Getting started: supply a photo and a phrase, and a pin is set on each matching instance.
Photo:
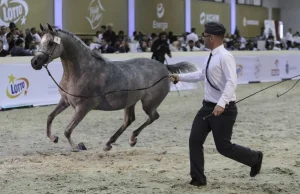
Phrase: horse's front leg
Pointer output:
(80, 113)
(61, 106)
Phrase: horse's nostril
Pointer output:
(35, 62)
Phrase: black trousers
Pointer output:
(221, 127)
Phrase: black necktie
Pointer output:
(207, 73)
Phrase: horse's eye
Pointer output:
(51, 43)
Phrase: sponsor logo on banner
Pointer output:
(204, 17)
(250, 22)
(257, 68)
(239, 70)
(13, 11)
(95, 9)
(160, 12)
(276, 71)
(288, 68)
(17, 87)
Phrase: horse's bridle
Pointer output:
(48, 55)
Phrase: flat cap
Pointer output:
(215, 28)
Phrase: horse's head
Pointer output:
(50, 48)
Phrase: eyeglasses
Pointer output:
(206, 35)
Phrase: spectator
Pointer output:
(3, 33)
(192, 36)
(95, 38)
(32, 36)
(143, 47)
(105, 47)
(109, 35)
(191, 46)
(121, 35)
(124, 48)
(160, 48)
(277, 46)
(179, 46)
(102, 30)
(10, 40)
(19, 50)
(3, 53)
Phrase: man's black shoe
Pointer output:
(256, 168)
(194, 182)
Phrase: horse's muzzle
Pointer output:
(36, 63)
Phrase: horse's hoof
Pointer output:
(81, 146)
(107, 148)
(55, 139)
(133, 142)
(75, 150)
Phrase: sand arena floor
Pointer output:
(159, 163)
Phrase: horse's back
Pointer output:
(142, 65)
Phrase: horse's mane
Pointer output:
(83, 45)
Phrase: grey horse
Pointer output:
(92, 82)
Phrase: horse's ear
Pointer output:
(50, 28)
(42, 27)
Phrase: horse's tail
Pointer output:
(182, 67)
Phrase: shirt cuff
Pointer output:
(222, 103)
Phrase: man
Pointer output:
(110, 35)
(220, 86)
(192, 36)
(19, 50)
(191, 47)
(3, 52)
(3, 33)
(32, 36)
(160, 48)
(105, 47)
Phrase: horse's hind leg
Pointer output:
(61, 106)
(153, 115)
(128, 119)
(80, 113)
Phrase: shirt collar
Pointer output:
(216, 50)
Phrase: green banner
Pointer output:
(26, 13)
(203, 12)
(250, 19)
(160, 15)
(86, 16)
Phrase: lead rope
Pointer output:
(261, 91)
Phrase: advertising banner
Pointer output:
(203, 12)
(160, 15)
(20, 85)
(24, 13)
(87, 16)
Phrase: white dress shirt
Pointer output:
(221, 74)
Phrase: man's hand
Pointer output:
(218, 110)
(174, 78)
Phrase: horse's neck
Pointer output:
(72, 58)
(77, 60)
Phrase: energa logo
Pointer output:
(13, 11)
(160, 10)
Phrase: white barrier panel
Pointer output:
(20, 85)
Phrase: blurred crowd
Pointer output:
(107, 40)
(15, 42)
